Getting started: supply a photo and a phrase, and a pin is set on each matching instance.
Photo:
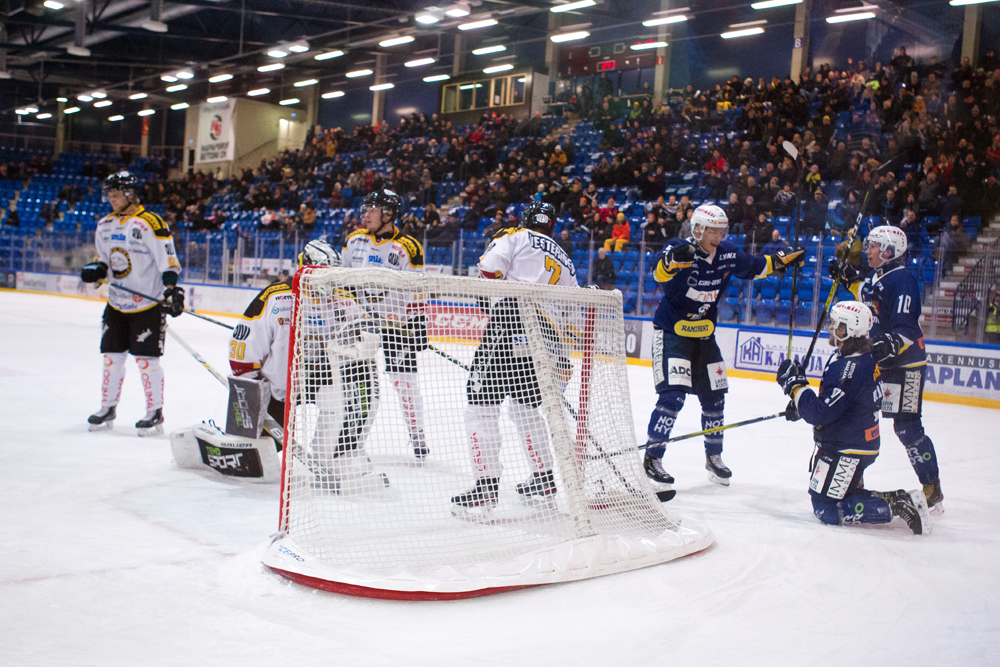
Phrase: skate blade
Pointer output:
(481, 513)
(721, 481)
(539, 503)
(106, 426)
(920, 500)
(937, 509)
(421, 453)
(152, 430)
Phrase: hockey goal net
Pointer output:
(363, 513)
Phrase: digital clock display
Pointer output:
(605, 65)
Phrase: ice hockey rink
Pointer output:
(114, 556)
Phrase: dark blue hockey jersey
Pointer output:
(689, 306)
(845, 414)
(894, 298)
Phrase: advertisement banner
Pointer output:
(763, 352)
(963, 371)
(216, 136)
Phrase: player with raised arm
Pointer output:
(379, 244)
(845, 419)
(503, 366)
(136, 247)
(686, 357)
(898, 345)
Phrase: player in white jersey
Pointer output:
(503, 366)
(136, 247)
(378, 244)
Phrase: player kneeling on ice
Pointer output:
(686, 357)
(503, 366)
(845, 419)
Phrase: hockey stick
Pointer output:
(160, 301)
(450, 358)
(273, 428)
(717, 429)
(794, 153)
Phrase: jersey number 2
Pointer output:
(553, 266)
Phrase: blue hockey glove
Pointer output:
(846, 274)
(886, 347)
(790, 377)
(677, 257)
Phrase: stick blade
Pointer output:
(791, 149)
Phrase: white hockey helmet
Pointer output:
(319, 253)
(891, 241)
(854, 315)
(707, 216)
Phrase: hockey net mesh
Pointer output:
(357, 499)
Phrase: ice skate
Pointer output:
(351, 473)
(478, 501)
(717, 470)
(911, 507)
(419, 444)
(662, 481)
(103, 419)
(540, 489)
(935, 499)
(151, 424)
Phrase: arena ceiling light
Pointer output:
(71, 110)
(115, 119)
(219, 78)
(179, 106)
(328, 54)
(23, 112)
(570, 36)
(277, 52)
(959, 3)
(843, 18)
(768, 4)
(382, 86)
(436, 77)
(570, 6)
(299, 46)
(176, 88)
(648, 45)
(359, 72)
(291, 100)
(428, 16)
(169, 78)
(474, 25)
(498, 68)
(332, 94)
(664, 20)
(273, 67)
(489, 49)
(98, 94)
(419, 62)
(52, 4)
(745, 32)
(147, 112)
(102, 104)
(457, 11)
(217, 99)
(85, 98)
(185, 74)
(43, 116)
(138, 96)
(62, 99)
(258, 91)
(305, 82)
(396, 41)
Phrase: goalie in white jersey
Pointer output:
(378, 244)
(136, 247)
(503, 366)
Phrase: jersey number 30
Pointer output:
(237, 350)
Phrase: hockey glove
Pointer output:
(791, 412)
(790, 377)
(417, 329)
(886, 347)
(846, 274)
(677, 257)
(173, 300)
(94, 272)
(783, 259)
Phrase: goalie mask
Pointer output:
(124, 182)
(708, 216)
(891, 241)
(319, 253)
(538, 216)
(856, 318)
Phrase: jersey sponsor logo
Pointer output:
(137, 233)
(871, 433)
(241, 332)
(121, 263)
(818, 480)
(890, 397)
(393, 259)
(374, 259)
(911, 392)
(678, 372)
(658, 357)
(701, 296)
(118, 237)
(842, 477)
(848, 371)
(143, 336)
(695, 329)
(717, 376)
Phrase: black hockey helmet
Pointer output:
(387, 200)
(539, 216)
(123, 181)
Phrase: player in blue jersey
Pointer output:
(686, 357)
(845, 419)
(898, 345)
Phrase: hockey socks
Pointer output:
(113, 376)
(661, 422)
(152, 381)
(919, 449)
(860, 507)
(482, 425)
(408, 387)
(532, 435)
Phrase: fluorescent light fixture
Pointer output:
(185, 74)
(217, 99)
(470, 86)
(179, 106)
(648, 45)
(71, 110)
(568, 7)
(457, 11)
(419, 62)
(31, 109)
(489, 49)
(85, 98)
(177, 88)
(498, 68)
(271, 68)
(22, 112)
(843, 18)
(742, 33)
(138, 96)
(300, 46)
(258, 91)
(43, 116)
(305, 82)
(79, 51)
(169, 78)
(291, 100)
(147, 112)
(381, 86)
(359, 72)
(570, 36)
(332, 94)
(277, 53)
(219, 78)
(154, 26)
(102, 104)
(115, 119)
(665, 20)
(485, 23)
(395, 41)
(426, 19)
(62, 99)
(774, 3)
(52, 4)
(436, 77)
(328, 54)
(99, 94)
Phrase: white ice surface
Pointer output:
(113, 556)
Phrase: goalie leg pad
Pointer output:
(532, 434)
(206, 446)
(482, 425)
(347, 408)
(248, 402)
(112, 378)
(152, 381)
